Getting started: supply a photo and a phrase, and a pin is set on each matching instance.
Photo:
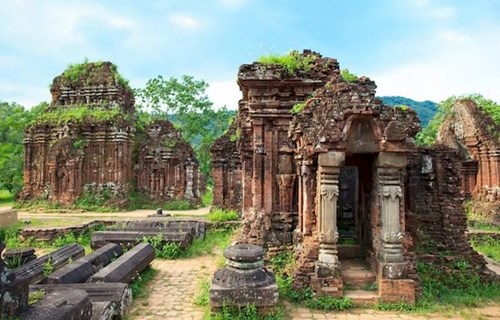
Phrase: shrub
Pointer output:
(297, 108)
(163, 250)
(347, 76)
(221, 215)
(292, 62)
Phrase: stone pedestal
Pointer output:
(13, 292)
(8, 217)
(244, 281)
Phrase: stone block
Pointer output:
(126, 267)
(107, 298)
(103, 256)
(33, 270)
(13, 292)
(76, 272)
(130, 238)
(391, 159)
(397, 290)
(8, 217)
(331, 159)
(62, 305)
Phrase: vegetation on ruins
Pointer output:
(428, 135)
(35, 296)
(79, 115)
(487, 245)
(292, 62)
(86, 71)
(348, 76)
(297, 108)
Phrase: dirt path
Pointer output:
(74, 217)
(177, 284)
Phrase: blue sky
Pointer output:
(422, 49)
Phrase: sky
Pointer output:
(420, 49)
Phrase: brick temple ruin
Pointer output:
(476, 136)
(328, 170)
(85, 143)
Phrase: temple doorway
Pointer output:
(354, 205)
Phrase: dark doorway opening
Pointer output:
(354, 205)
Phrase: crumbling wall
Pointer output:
(437, 222)
(167, 168)
(226, 170)
(475, 135)
(84, 141)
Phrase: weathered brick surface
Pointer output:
(167, 168)
(475, 135)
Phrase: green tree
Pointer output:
(184, 102)
(13, 121)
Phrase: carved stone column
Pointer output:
(328, 192)
(392, 246)
(285, 187)
(389, 167)
(188, 193)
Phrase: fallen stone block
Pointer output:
(62, 305)
(131, 238)
(34, 270)
(197, 227)
(17, 257)
(109, 300)
(81, 269)
(126, 267)
(8, 217)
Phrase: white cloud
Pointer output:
(26, 96)
(184, 21)
(456, 63)
(224, 93)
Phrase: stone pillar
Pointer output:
(328, 192)
(188, 193)
(389, 166)
(307, 197)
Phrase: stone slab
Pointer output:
(106, 298)
(83, 268)
(126, 267)
(33, 270)
(62, 305)
(8, 217)
(104, 255)
(130, 238)
(260, 297)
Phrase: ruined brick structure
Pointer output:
(84, 142)
(167, 167)
(476, 136)
(226, 170)
(330, 170)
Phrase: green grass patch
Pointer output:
(6, 198)
(207, 197)
(35, 296)
(139, 284)
(221, 215)
(292, 62)
(347, 76)
(215, 241)
(488, 246)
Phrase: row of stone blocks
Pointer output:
(130, 233)
(106, 271)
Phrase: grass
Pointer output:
(292, 62)
(6, 198)
(139, 284)
(35, 296)
(488, 246)
(12, 240)
(207, 197)
(221, 215)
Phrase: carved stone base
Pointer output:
(324, 270)
(393, 270)
(391, 252)
(399, 290)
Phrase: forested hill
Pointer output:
(425, 109)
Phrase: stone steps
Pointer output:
(356, 275)
(362, 297)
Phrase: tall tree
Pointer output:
(184, 102)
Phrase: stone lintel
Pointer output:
(391, 159)
(331, 159)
